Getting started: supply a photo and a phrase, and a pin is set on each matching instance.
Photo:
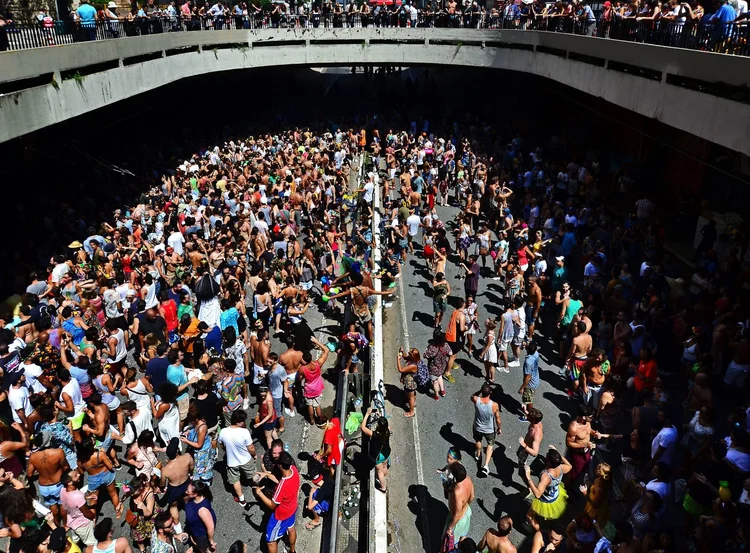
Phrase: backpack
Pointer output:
(422, 376)
(206, 288)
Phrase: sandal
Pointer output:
(310, 525)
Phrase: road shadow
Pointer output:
(431, 514)
(512, 504)
(564, 404)
(470, 368)
(395, 396)
(425, 286)
(511, 406)
(456, 440)
(425, 318)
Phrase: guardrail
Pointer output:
(727, 38)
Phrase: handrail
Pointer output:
(727, 38)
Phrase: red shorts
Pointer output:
(579, 461)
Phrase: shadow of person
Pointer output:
(395, 395)
(431, 514)
(456, 440)
(425, 318)
(510, 405)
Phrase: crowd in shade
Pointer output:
(145, 348)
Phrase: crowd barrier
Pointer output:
(723, 38)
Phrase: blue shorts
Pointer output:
(277, 529)
(50, 495)
(103, 479)
(322, 506)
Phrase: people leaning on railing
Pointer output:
(672, 23)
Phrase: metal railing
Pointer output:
(727, 38)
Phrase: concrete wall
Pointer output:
(717, 119)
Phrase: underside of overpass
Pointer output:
(46, 86)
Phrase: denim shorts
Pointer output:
(50, 495)
(103, 479)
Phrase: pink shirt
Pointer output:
(73, 501)
(313, 379)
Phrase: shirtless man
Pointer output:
(291, 359)
(361, 309)
(592, 378)
(217, 257)
(497, 541)
(529, 445)
(260, 348)
(99, 416)
(175, 475)
(700, 395)
(533, 305)
(579, 352)
(578, 441)
(460, 496)
(50, 464)
(440, 258)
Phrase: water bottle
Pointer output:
(286, 447)
(347, 514)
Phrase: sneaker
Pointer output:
(486, 470)
(237, 500)
(563, 372)
(514, 363)
(505, 370)
(289, 412)
(496, 278)
(477, 457)
(449, 378)
(246, 403)
(522, 418)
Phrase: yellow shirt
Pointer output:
(221, 184)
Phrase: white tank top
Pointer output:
(121, 349)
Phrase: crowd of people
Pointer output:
(644, 344)
(147, 347)
(686, 24)
(239, 241)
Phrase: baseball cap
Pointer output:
(560, 258)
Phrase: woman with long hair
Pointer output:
(101, 474)
(142, 455)
(200, 517)
(489, 353)
(408, 365)
(380, 447)
(199, 442)
(598, 495)
(104, 384)
(143, 509)
(137, 389)
(550, 497)
(166, 412)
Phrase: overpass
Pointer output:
(702, 93)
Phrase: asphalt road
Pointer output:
(417, 510)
